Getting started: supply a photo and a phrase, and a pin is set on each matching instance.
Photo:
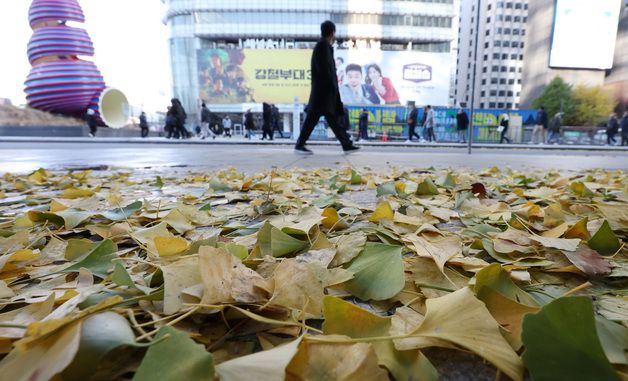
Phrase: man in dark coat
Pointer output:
(363, 125)
(624, 129)
(267, 127)
(276, 122)
(462, 124)
(612, 127)
(324, 96)
(143, 124)
(92, 122)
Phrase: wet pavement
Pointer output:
(24, 157)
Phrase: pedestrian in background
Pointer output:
(363, 125)
(611, 129)
(503, 128)
(143, 124)
(413, 115)
(249, 124)
(92, 122)
(267, 128)
(180, 116)
(624, 129)
(554, 129)
(324, 95)
(226, 125)
(429, 125)
(206, 118)
(276, 122)
(462, 124)
(171, 123)
(540, 127)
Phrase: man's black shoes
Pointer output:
(301, 150)
(351, 149)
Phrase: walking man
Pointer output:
(206, 118)
(92, 123)
(276, 119)
(324, 96)
(611, 129)
(143, 124)
(429, 125)
(226, 124)
(624, 129)
(540, 127)
(503, 128)
(412, 120)
(462, 124)
(554, 129)
(363, 125)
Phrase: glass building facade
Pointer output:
(422, 25)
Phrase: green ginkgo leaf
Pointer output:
(604, 241)
(121, 214)
(272, 241)
(561, 343)
(378, 272)
(176, 357)
(98, 261)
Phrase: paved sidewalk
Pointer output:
(280, 142)
(29, 156)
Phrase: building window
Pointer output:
(488, 32)
(497, 43)
(502, 81)
(525, 19)
(514, 44)
(495, 56)
(516, 105)
(481, 104)
(484, 69)
(508, 18)
(499, 17)
(509, 5)
(515, 32)
(504, 56)
(493, 93)
(500, 4)
(513, 56)
(502, 93)
(517, 18)
(493, 81)
(486, 57)
(525, 6)
(504, 69)
(523, 32)
(519, 81)
(495, 68)
(499, 31)
(517, 5)
(520, 70)
(500, 104)
(509, 93)
(511, 69)
(489, 7)
(491, 104)
(486, 45)
(488, 20)
(521, 57)
(484, 81)
(518, 93)
(511, 81)
(508, 105)
(482, 93)
(506, 30)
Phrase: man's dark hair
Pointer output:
(327, 29)
(428, 106)
(353, 67)
(203, 104)
(542, 108)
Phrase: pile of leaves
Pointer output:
(312, 275)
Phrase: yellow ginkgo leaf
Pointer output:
(331, 217)
(170, 246)
(382, 212)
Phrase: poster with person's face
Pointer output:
(367, 77)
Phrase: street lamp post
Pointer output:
(475, 64)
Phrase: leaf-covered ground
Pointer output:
(312, 275)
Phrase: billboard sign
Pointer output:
(584, 34)
(365, 77)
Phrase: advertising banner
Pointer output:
(365, 77)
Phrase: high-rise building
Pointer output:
(501, 39)
(584, 42)
(213, 44)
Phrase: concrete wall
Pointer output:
(63, 132)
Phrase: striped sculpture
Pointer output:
(59, 80)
